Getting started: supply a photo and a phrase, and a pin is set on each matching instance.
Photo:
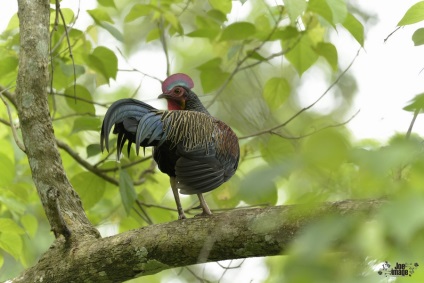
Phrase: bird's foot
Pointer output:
(181, 215)
(205, 213)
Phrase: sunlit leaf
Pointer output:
(107, 3)
(30, 224)
(126, 189)
(9, 226)
(7, 170)
(137, 11)
(276, 91)
(89, 187)
(414, 14)
(104, 61)
(153, 35)
(302, 54)
(11, 243)
(355, 28)
(416, 103)
(210, 33)
(329, 52)
(8, 64)
(86, 124)
(418, 37)
(100, 15)
(238, 31)
(221, 5)
(173, 20)
(295, 8)
(1, 260)
(338, 9)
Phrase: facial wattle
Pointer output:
(173, 105)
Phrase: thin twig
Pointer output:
(84, 163)
(309, 106)
(391, 34)
(114, 169)
(302, 136)
(244, 59)
(9, 113)
(164, 45)
(70, 52)
(416, 112)
(105, 105)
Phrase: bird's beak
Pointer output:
(163, 95)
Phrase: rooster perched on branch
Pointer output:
(196, 150)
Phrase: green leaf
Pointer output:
(86, 124)
(418, 37)
(11, 243)
(258, 186)
(89, 187)
(153, 35)
(416, 103)
(212, 79)
(173, 21)
(221, 5)
(211, 64)
(276, 91)
(100, 15)
(9, 226)
(322, 8)
(8, 65)
(1, 260)
(277, 150)
(414, 15)
(329, 52)
(7, 169)
(326, 149)
(138, 11)
(80, 106)
(93, 149)
(302, 55)
(210, 33)
(338, 9)
(295, 8)
(126, 188)
(107, 3)
(30, 224)
(112, 30)
(238, 31)
(355, 28)
(104, 61)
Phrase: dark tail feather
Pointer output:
(118, 112)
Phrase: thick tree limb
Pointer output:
(148, 250)
(37, 131)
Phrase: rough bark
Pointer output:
(61, 203)
(148, 250)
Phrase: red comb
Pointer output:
(178, 79)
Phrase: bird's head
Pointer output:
(177, 91)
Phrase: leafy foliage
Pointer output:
(246, 68)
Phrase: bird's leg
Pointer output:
(204, 206)
(173, 182)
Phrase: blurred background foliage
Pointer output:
(247, 59)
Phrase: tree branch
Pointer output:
(36, 125)
(151, 249)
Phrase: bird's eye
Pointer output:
(177, 91)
